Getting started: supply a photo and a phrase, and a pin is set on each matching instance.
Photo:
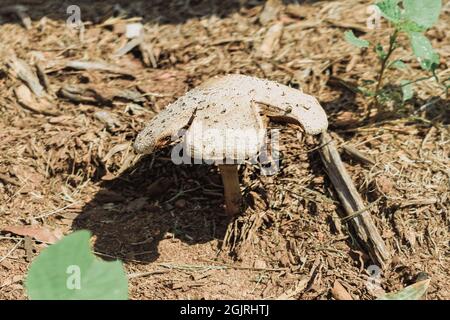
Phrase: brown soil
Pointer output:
(167, 223)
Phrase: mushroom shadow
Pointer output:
(151, 201)
(155, 11)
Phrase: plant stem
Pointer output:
(384, 64)
(415, 81)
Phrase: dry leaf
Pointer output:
(339, 292)
(38, 233)
(270, 12)
(271, 40)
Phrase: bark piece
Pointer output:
(365, 229)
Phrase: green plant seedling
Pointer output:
(410, 17)
(412, 292)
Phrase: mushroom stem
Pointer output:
(232, 191)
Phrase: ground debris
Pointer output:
(97, 65)
(60, 169)
(98, 94)
(39, 233)
(28, 101)
(108, 119)
(24, 72)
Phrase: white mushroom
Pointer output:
(223, 121)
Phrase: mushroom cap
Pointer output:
(223, 119)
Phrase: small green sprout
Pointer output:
(410, 17)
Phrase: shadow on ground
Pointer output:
(155, 200)
(155, 11)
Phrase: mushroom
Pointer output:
(224, 123)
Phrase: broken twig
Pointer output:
(97, 65)
(352, 202)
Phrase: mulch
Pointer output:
(67, 162)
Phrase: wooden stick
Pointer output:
(366, 232)
(356, 154)
(232, 191)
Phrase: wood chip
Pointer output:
(28, 101)
(270, 12)
(130, 45)
(25, 73)
(97, 65)
(339, 292)
(271, 40)
(98, 94)
(6, 179)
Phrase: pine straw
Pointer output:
(62, 174)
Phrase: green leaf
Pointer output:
(423, 12)
(366, 92)
(352, 39)
(423, 50)
(390, 10)
(407, 90)
(397, 64)
(412, 292)
(380, 51)
(410, 26)
(68, 270)
(368, 81)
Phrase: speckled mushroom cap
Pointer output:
(223, 117)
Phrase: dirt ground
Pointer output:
(63, 169)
